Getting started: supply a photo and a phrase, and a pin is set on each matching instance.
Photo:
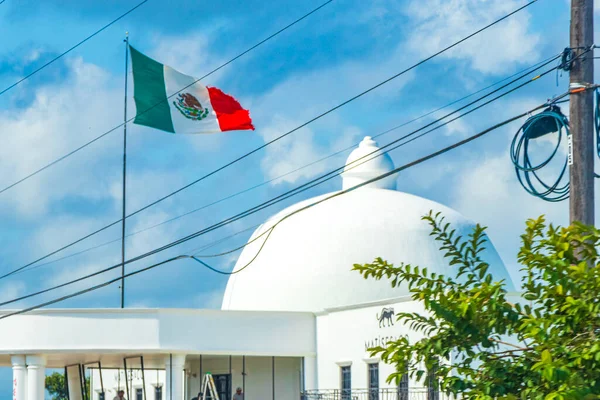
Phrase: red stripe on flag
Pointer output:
(230, 114)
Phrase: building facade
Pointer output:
(295, 323)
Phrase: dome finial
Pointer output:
(366, 163)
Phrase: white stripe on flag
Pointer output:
(174, 81)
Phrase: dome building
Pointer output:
(305, 263)
(296, 322)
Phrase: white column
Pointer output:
(311, 381)
(19, 383)
(36, 377)
(74, 383)
(174, 377)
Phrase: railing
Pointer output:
(374, 394)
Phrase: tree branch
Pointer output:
(509, 344)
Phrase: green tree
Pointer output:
(545, 345)
(55, 385)
(57, 388)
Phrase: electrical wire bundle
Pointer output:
(551, 120)
(432, 126)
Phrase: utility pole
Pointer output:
(582, 114)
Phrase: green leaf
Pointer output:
(546, 356)
(468, 314)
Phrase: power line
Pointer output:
(83, 146)
(268, 232)
(385, 175)
(203, 247)
(521, 73)
(279, 137)
(212, 244)
(276, 199)
(193, 251)
(131, 119)
(72, 48)
(334, 195)
(344, 103)
(381, 149)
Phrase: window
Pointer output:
(374, 381)
(433, 392)
(101, 395)
(139, 394)
(403, 386)
(223, 386)
(346, 383)
(158, 393)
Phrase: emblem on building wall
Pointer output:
(386, 317)
(190, 107)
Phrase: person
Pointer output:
(120, 395)
(238, 394)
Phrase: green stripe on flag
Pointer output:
(150, 93)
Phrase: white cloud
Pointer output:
(11, 290)
(490, 194)
(183, 53)
(33, 55)
(190, 55)
(300, 149)
(439, 23)
(144, 187)
(307, 95)
(457, 127)
(59, 119)
(59, 231)
(209, 300)
(152, 238)
(74, 271)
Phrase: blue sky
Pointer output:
(343, 49)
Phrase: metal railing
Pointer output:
(374, 394)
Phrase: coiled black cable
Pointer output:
(548, 121)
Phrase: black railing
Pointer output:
(374, 394)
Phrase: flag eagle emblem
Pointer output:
(190, 107)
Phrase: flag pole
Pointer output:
(124, 174)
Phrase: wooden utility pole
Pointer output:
(582, 114)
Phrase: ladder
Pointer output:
(208, 384)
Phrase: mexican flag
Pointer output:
(195, 109)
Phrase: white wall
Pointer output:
(287, 378)
(258, 383)
(114, 380)
(151, 331)
(344, 335)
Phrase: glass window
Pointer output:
(346, 383)
(139, 394)
(374, 381)
(158, 393)
(433, 391)
(223, 386)
(403, 386)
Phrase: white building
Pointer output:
(296, 322)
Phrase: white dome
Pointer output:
(306, 263)
(362, 166)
